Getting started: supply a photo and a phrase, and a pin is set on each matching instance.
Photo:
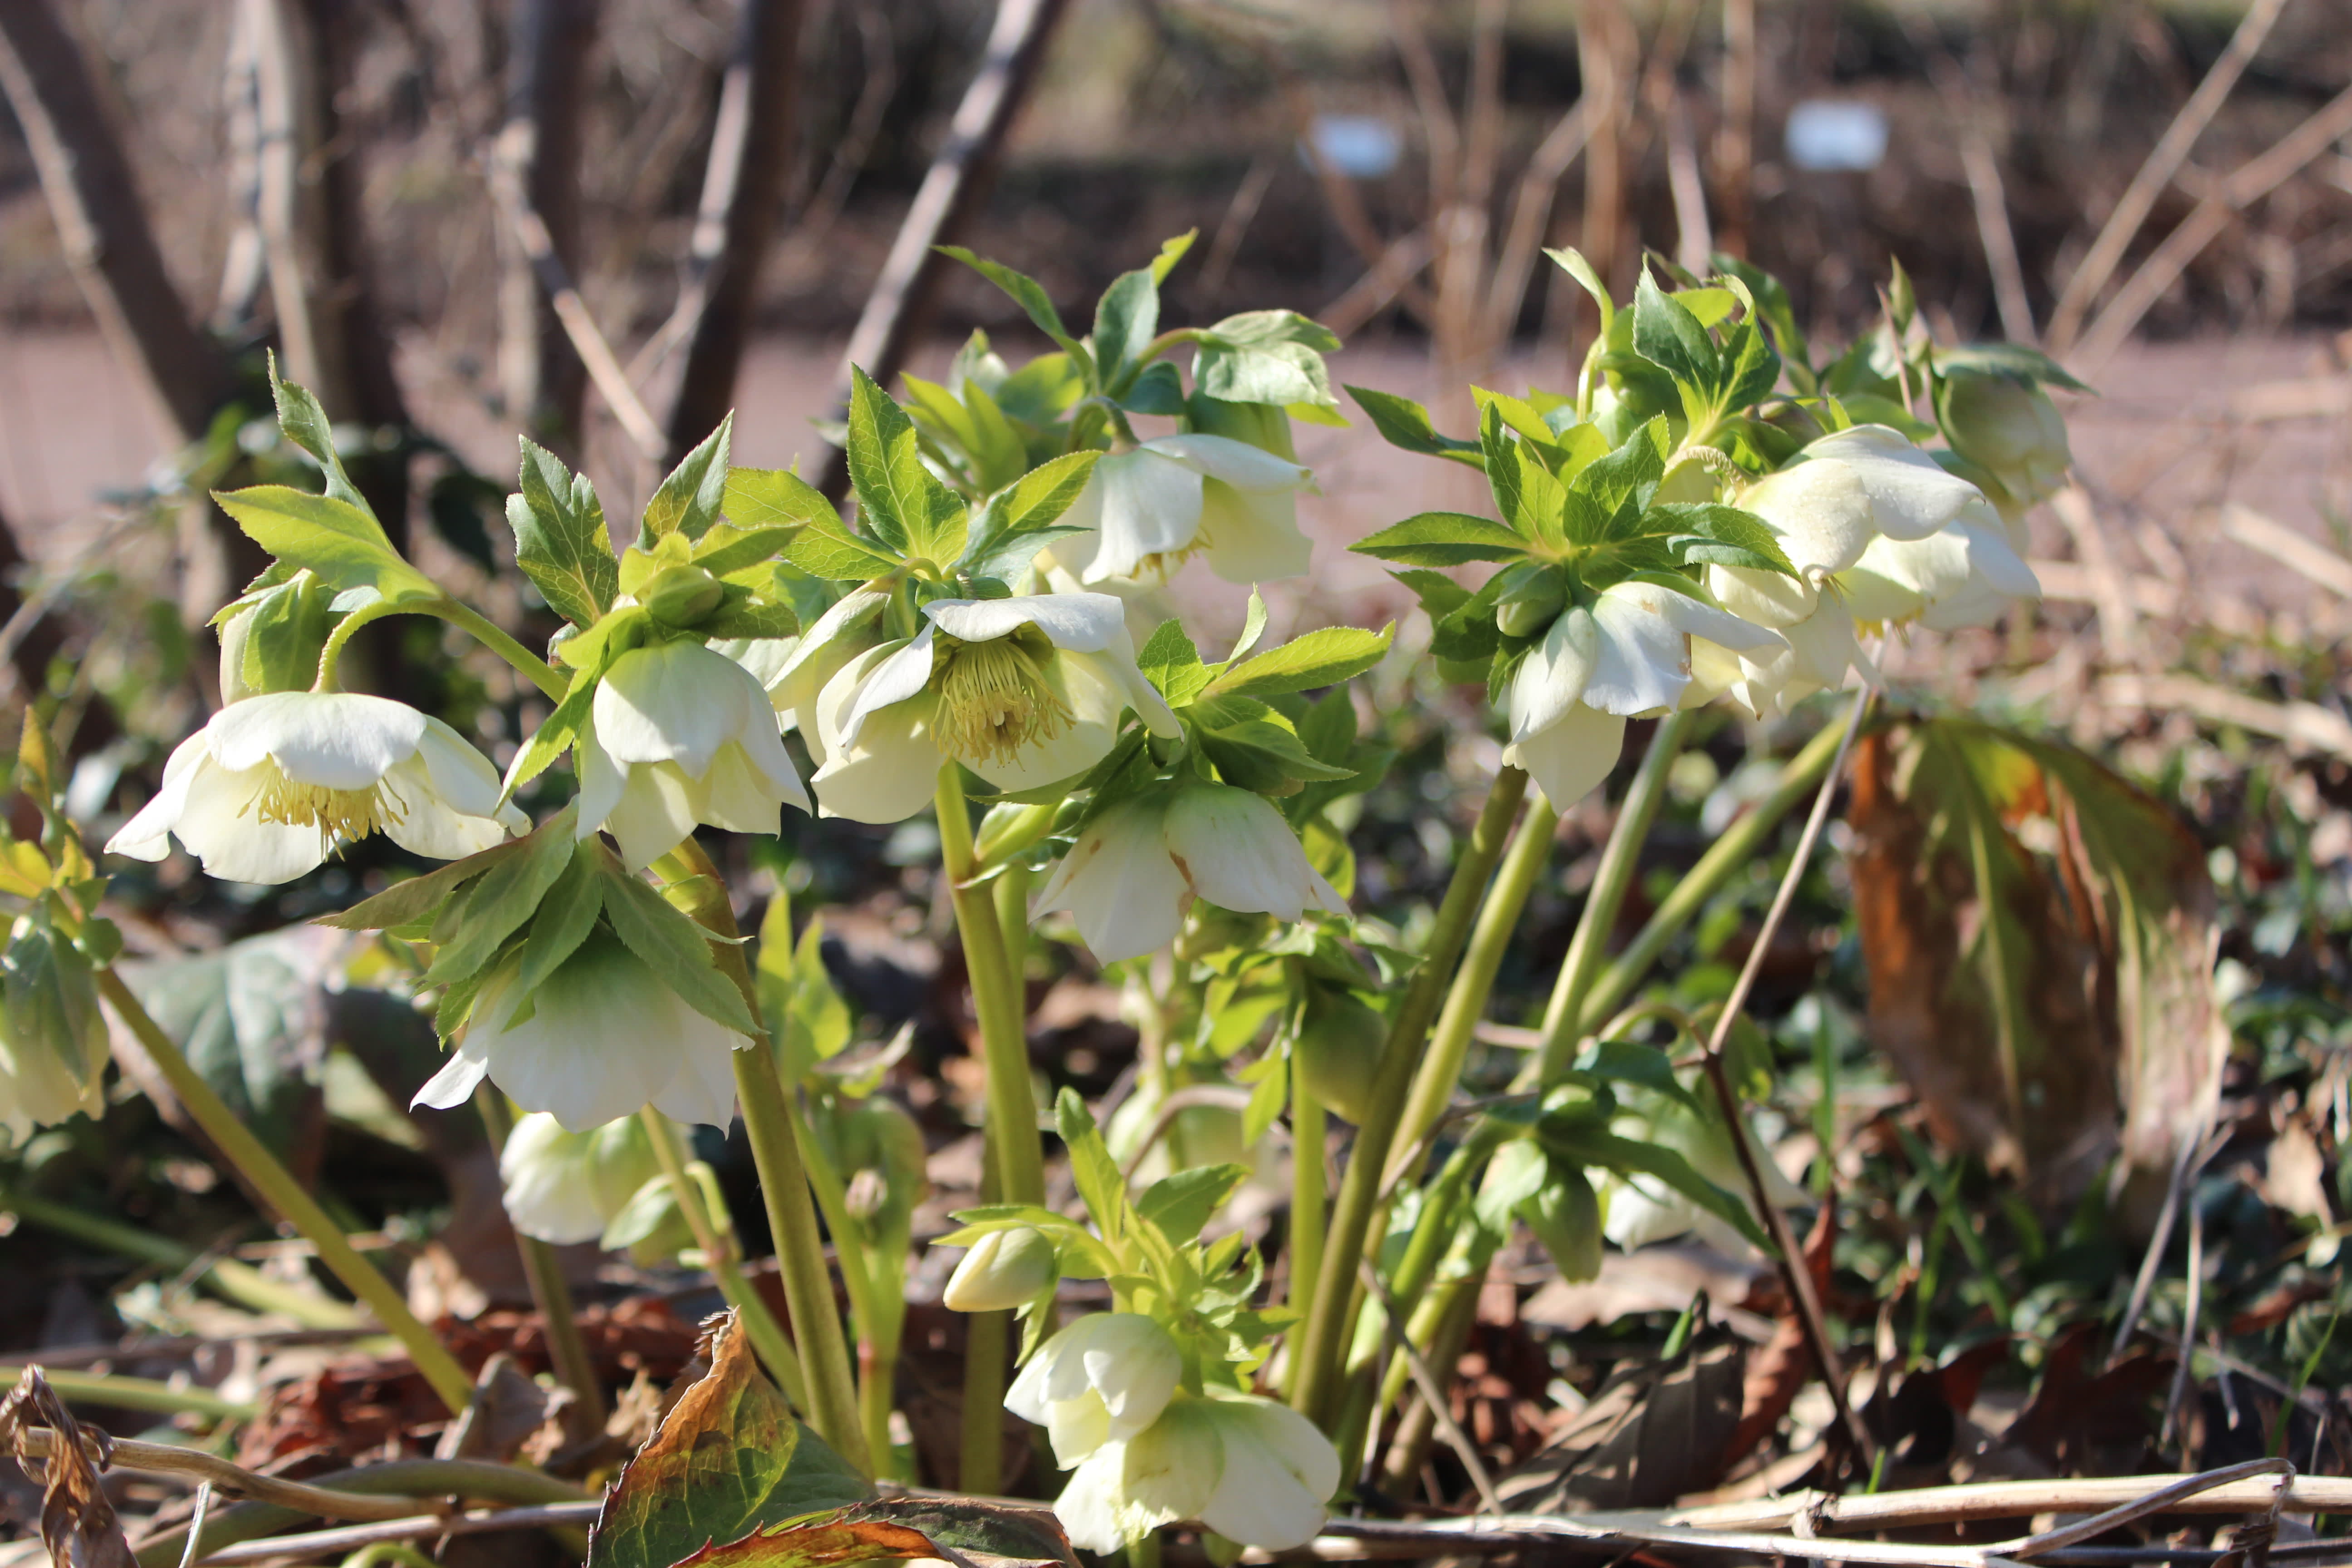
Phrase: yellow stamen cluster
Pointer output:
(993, 700)
(345, 814)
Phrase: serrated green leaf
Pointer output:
(1322, 657)
(671, 945)
(1171, 662)
(495, 906)
(560, 539)
(1030, 295)
(771, 498)
(1253, 626)
(1443, 539)
(409, 903)
(1726, 525)
(342, 544)
(899, 503)
(284, 633)
(1750, 368)
(691, 496)
(2019, 360)
(1667, 335)
(1035, 502)
(555, 732)
(1127, 319)
(1572, 262)
(566, 915)
(1095, 1172)
(1276, 373)
(826, 549)
(1590, 1146)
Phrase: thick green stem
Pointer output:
(239, 1282)
(981, 1463)
(771, 1124)
(1309, 1136)
(292, 1202)
(1620, 858)
(536, 670)
(1004, 1035)
(1465, 1002)
(566, 1351)
(1726, 857)
(138, 1394)
(875, 1319)
(1323, 1338)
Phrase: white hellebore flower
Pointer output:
(1252, 1470)
(600, 1039)
(1137, 868)
(679, 734)
(1144, 510)
(1628, 653)
(1964, 575)
(568, 1186)
(2011, 428)
(794, 670)
(272, 786)
(1641, 1210)
(1909, 495)
(1104, 1379)
(1024, 692)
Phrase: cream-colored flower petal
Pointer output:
(702, 1088)
(1572, 757)
(424, 824)
(1088, 1508)
(1239, 854)
(1232, 462)
(602, 781)
(1120, 885)
(1910, 496)
(890, 775)
(1252, 536)
(1076, 623)
(1136, 505)
(736, 795)
(1084, 739)
(461, 776)
(1116, 667)
(1551, 678)
(597, 1045)
(1260, 1499)
(1771, 599)
(220, 823)
(1821, 510)
(879, 679)
(147, 835)
(455, 1084)
(548, 1191)
(337, 739)
(673, 703)
(655, 814)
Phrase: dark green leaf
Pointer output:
(555, 732)
(985, 1534)
(495, 906)
(2004, 358)
(1095, 1173)
(566, 915)
(1027, 293)
(1127, 319)
(1590, 1146)
(1157, 390)
(1722, 525)
(900, 503)
(1667, 335)
(1403, 423)
(826, 549)
(672, 946)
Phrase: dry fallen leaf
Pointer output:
(78, 1523)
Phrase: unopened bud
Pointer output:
(1340, 1049)
(1566, 1219)
(1004, 1268)
(1534, 594)
(682, 595)
(869, 1193)
(2008, 427)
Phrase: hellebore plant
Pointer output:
(1707, 513)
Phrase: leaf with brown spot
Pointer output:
(828, 1541)
(728, 1460)
(981, 1534)
(78, 1523)
(2040, 940)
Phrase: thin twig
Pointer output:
(204, 1508)
(2189, 1314)
(2194, 1152)
(1793, 1272)
(2164, 161)
(1433, 1392)
(564, 298)
(350, 1538)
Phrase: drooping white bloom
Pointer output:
(1964, 575)
(1629, 652)
(1137, 868)
(792, 671)
(1024, 691)
(53, 1039)
(1004, 1269)
(1252, 1470)
(677, 734)
(565, 1186)
(1146, 509)
(1910, 496)
(272, 786)
(1104, 1379)
(602, 1039)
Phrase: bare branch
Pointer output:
(544, 377)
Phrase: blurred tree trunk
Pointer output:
(545, 382)
(742, 191)
(957, 183)
(315, 236)
(87, 180)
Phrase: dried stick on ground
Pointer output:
(2248, 184)
(742, 191)
(2164, 161)
(542, 375)
(1735, 138)
(95, 201)
(952, 192)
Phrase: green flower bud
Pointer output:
(682, 595)
(1338, 1048)
(2010, 427)
(1566, 1219)
(1534, 594)
(1004, 1268)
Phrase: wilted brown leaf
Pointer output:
(1649, 1436)
(78, 1523)
(2040, 940)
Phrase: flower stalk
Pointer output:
(771, 1123)
(544, 1273)
(293, 1203)
(1331, 1314)
(1012, 1134)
